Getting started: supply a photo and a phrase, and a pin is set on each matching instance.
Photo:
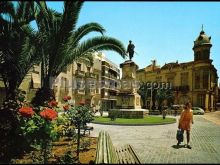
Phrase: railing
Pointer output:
(182, 88)
(90, 75)
(80, 73)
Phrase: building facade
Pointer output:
(195, 81)
(82, 80)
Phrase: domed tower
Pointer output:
(202, 47)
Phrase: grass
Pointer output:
(145, 121)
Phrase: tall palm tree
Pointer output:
(63, 42)
(18, 44)
(17, 56)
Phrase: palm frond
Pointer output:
(83, 30)
(70, 18)
(86, 47)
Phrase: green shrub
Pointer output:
(113, 114)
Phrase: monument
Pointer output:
(128, 102)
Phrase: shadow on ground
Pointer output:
(178, 146)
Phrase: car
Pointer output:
(198, 111)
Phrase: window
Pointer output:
(197, 80)
(171, 80)
(205, 81)
(64, 84)
(79, 66)
(184, 79)
(200, 100)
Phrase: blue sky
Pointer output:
(164, 31)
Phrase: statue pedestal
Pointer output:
(128, 100)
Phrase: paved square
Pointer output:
(156, 144)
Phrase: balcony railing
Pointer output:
(80, 73)
(181, 88)
(90, 75)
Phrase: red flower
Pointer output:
(66, 107)
(49, 114)
(26, 111)
(68, 97)
(65, 98)
(53, 103)
(82, 102)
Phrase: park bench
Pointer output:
(86, 128)
(107, 154)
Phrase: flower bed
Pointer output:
(59, 149)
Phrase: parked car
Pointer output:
(198, 111)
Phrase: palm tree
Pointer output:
(63, 43)
(144, 91)
(17, 56)
(18, 41)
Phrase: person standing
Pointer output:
(164, 113)
(185, 122)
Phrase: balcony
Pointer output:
(80, 73)
(181, 88)
(90, 75)
(90, 92)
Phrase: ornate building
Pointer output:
(94, 83)
(195, 80)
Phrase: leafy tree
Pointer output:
(144, 91)
(63, 42)
(164, 94)
(160, 97)
(80, 115)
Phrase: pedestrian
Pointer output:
(175, 112)
(164, 112)
(185, 122)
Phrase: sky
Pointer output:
(164, 31)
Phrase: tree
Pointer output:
(18, 44)
(80, 115)
(144, 91)
(160, 97)
(64, 44)
(164, 94)
(17, 56)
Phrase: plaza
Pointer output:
(157, 143)
(71, 97)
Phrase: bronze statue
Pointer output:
(130, 49)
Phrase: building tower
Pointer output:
(202, 47)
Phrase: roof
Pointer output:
(202, 39)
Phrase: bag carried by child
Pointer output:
(179, 135)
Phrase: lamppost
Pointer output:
(151, 98)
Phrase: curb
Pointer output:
(131, 124)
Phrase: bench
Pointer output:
(86, 128)
(107, 154)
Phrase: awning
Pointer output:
(2, 85)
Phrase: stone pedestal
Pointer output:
(128, 100)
